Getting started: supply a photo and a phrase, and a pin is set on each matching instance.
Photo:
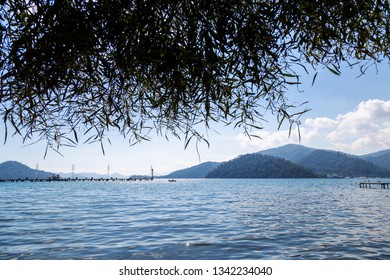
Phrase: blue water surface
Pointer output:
(194, 219)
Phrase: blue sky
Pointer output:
(348, 114)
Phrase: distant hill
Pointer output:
(381, 158)
(259, 166)
(91, 175)
(330, 162)
(197, 171)
(291, 152)
(289, 161)
(16, 170)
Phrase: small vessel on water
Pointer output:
(172, 180)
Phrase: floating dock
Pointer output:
(370, 185)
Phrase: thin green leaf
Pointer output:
(102, 147)
(75, 135)
(334, 71)
(314, 78)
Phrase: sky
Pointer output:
(348, 113)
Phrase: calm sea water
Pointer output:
(195, 219)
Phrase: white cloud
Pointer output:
(318, 123)
(364, 130)
(268, 139)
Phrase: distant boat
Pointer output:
(172, 180)
(54, 178)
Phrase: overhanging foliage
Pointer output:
(71, 68)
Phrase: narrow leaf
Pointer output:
(314, 78)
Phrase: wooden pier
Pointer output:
(370, 185)
(75, 179)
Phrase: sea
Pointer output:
(197, 219)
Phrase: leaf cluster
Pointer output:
(82, 68)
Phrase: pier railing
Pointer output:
(91, 179)
(370, 185)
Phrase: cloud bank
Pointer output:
(364, 130)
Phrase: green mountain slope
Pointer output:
(197, 171)
(259, 166)
(336, 163)
(381, 158)
(15, 170)
(291, 152)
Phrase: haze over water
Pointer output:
(194, 219)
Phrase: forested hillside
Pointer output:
(197, 171)
(259, 166)
(15, 170)
(291, 152)
(329, 163)
(381, 158)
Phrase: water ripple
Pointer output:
(194, 219)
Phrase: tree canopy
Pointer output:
(83, 67)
